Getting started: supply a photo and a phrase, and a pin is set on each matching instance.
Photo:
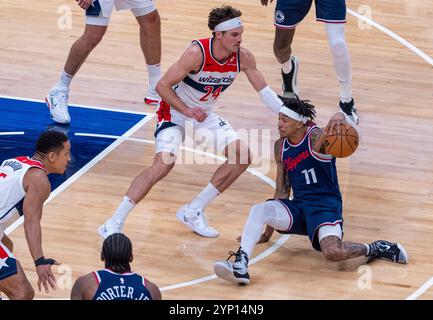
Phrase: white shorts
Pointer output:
(138, 8)
(214, 132)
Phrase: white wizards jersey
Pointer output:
(12, 192)
(203, 88)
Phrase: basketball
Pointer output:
(342, 142)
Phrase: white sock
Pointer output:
(368, 249)
(206, 196)
(65, 80)
(154, 72)
(287, 66)
(341, 58)
(123, 210)
(270, 213)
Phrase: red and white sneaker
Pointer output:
(152, 98)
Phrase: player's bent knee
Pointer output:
(333, 254)
(152, 18)
(162, 166)
(338, 47)
(93, 37)
(258, 211)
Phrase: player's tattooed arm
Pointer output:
(317, 140)
(282, 188)
(84, 287)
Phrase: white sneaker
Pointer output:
(152, 97)
(109, 227)
(196, 220)
(57, 102)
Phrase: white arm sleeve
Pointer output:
(270, 98)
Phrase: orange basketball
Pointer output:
(342, 142)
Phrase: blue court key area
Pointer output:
(33, 118)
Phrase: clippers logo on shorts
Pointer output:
(310, 174)
(279, 16)
(125, 286)
(203, 89)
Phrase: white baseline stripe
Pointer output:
(404, 42)
(81, 106)
(11, 133)
(254, 172)
(84, 169)
(421, 290)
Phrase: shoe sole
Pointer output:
(295, 76)
(406, 257)
(180, 218)
(221, 271)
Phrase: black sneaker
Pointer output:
(237, 271)
(389, 251)
(349, 109)
(290, 82)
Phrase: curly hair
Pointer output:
(221, 14)
(303, 107)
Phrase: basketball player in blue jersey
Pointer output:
(189, 90)
(24, 187)
(116, 281)
(316, 207)
(288, 13)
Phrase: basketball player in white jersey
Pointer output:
(24, 187)
(189, 90)
(98, 14)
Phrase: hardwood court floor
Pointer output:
(387, 184)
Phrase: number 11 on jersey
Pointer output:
(307, 175)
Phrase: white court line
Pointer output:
(254, 172)
(404, 42)
(256, 259)
(421, 290)
(84, 169)
(81, 106)
(11, 133)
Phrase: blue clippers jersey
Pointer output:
(125, 286)
(311, 175)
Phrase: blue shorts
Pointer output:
(288, 13)
(307, 217)
(8, 263)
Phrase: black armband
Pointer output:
(43, 261)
